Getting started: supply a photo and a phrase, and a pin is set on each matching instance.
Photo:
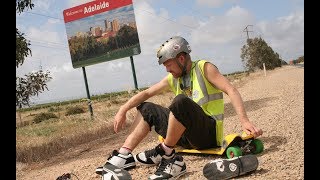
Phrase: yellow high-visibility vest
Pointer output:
(203, 93)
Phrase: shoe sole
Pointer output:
(129, 166)
(229, 168)
(118, 173)
(177, 176)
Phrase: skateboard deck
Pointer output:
(230, 168)
(112, 172)
(233, 145)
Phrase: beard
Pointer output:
(176, 75)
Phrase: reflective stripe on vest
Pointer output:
(210, 98)
(212, 104)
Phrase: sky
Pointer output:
(215, 30)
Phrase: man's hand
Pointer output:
(250, 128)
(119, 121)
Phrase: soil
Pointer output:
(274, 102)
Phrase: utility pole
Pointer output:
(246, 30)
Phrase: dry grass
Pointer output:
(35, 142)
(39, 141)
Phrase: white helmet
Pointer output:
(171, 48)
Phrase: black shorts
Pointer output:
(200, 130)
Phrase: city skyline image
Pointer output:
(122, 16)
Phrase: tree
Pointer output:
(127, 36)
(256, 52)
(300, 59)
(35, 82)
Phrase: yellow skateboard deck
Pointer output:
(233, 145)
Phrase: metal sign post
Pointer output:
(88, 93)
(134, 73)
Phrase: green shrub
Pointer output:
(43, 116)
(54, 109)
(74, 110)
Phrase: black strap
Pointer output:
(183, 68)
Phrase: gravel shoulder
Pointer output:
(274, 102)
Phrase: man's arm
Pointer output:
(137, 99)
(218, 80)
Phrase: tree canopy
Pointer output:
(35, 82)
(256, 52)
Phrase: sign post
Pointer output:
(87, 90)
(134, 73)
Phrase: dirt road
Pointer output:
(274, 102)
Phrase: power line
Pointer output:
(193, 10)
(61, 48)
(44, 15)
(50, 42)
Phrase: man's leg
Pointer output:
(200, 130)
(140, 131)
(124, 158)
(174, 131)
(171, 166)
(155, 116)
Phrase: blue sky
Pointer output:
(214, 29)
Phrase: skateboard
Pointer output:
(112, 172)
(233, 145)
(229, 168)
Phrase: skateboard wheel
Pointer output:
(257, 146)
(233, 151)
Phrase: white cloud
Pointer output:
(189, 21)
(67, 67)
(42, 5)
(222, 29)
(44, 36)
(52, 22)
(285, 35)
(153, 28)
(72, 3)
(115, 66)
(213, 3)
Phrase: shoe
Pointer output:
(220, 169)
(152, 156)
(115, 173)
(121, 161)
(171, 168)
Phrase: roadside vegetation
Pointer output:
(45, 130)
